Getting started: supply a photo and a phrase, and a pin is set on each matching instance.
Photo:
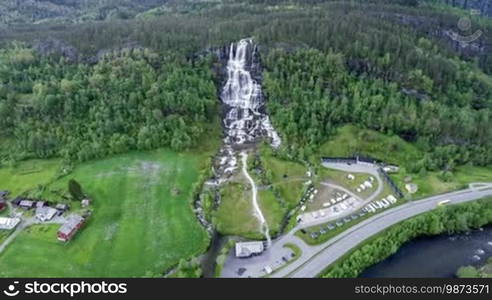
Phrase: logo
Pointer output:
(11, 290)
(464, 25)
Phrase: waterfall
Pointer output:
(245, 120)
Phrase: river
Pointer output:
(436, 256)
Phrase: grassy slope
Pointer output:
(287, 177)
(235, 214)
(139, 226)
(393, 149)
(27, 175)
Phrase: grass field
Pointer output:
(351, 139)
(280, 192)
(28, 175)
(235, 213)
(431, 183)
(394, 150)
(142, 223)
(340, 178)
(287, 177)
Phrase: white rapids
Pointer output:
(245, 120)
(242, 94)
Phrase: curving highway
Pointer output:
(340, 245)
(314, 259)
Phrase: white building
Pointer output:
(9, 223)
(247, 249)
(45, 213)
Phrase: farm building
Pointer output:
(85, 202)
(62, 207)
(9, 223)
(27, 204)
(247, 249)
(45, 213)
(71, 226)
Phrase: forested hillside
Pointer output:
(57, 11)
(132, 99)
(391, 66)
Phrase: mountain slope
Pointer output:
(36, 11)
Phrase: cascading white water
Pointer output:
(245, 120)
(242, 94)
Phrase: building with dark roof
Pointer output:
(27, 204)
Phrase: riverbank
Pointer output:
(484, 271)
(436, 256)
(450, 219)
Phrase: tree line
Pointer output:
(131, 99)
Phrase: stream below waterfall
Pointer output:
(254, 194)
(245, 123)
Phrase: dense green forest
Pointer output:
(57, 11)
(381, 64)
(311, 93)
(132, 99)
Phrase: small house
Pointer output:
(85, 202)
(45, 213)
(247, 249)
(70, 228)
(9, 223)
(17, 201)
(40, 204)
(26, 204)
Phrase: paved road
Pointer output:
(314, 259)
(343, 243)
(274, 255)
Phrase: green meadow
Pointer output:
(392, 149)
(142, 223)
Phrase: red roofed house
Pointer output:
(71, 226)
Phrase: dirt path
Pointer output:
(256, 206)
